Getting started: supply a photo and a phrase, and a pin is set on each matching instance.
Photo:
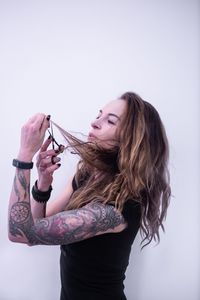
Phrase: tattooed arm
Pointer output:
(32, 136)
(63, 228)
(19, 213)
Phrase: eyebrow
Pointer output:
(111, 114)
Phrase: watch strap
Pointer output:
(22, 164)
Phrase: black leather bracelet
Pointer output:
(39, 196)
(22, 164)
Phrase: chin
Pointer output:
(91, 139)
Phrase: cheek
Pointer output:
(110, 132)
(108, 138)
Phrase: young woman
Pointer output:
(121, 185)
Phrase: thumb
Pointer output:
(45, 124)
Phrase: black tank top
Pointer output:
(94, 269)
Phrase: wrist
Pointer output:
(40, 196)
(25, 156)
(43, 187)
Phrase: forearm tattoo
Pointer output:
(63, 228)
(20, 217)
(75, 225)
(24, 192)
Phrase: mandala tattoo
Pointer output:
(20, 212)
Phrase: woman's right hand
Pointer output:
(47, 163)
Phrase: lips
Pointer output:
(91, 136)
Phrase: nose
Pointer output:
(96, 124)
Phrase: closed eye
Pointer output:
(111, 122)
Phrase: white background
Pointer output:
(67, 59)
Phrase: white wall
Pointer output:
(68, 58)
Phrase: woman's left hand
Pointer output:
(32, 136)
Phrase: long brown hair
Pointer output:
(135, 169)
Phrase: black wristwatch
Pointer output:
(22, 164)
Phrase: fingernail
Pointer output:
(48, 117)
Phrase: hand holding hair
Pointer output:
(32, 136)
